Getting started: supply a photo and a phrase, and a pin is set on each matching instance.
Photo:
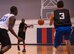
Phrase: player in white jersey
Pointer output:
(6, 23)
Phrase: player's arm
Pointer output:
(28, 25)
(11, 25)
(51, 18)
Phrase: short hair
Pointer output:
(60, 4)
(13, 9)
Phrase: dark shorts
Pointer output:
(22, 35)
(4, 37)
(60, 33)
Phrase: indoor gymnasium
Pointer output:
(36, 27)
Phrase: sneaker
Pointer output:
(24, 50)
(18, 48)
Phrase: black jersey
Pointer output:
(22, 26)
(21, 33)
(62, 18)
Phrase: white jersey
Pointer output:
(4, 21)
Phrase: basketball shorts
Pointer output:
(22, 35)
(4, 37)
(60, 33)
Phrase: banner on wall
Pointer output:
(46, 36)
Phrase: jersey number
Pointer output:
(3, 18)
(62, 16)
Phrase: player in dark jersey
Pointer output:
(62, 24)
(22, 32)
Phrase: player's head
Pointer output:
(60, 4)
(14, 10)
(23, 20)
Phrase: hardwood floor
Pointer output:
(34, 49)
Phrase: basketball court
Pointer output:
(39, 49)
(40, 38)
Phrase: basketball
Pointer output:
(40, 21)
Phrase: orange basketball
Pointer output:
(40, 21)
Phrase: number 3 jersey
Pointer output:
(62, 18)
(4, 21)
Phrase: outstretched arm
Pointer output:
(29, 25)
(51, 18)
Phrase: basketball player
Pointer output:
(22, 32)
(6, 23)
(62, 23)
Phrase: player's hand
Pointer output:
(20, 39)
(50, 23)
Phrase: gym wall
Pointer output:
(38, 34)
(29, 9)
